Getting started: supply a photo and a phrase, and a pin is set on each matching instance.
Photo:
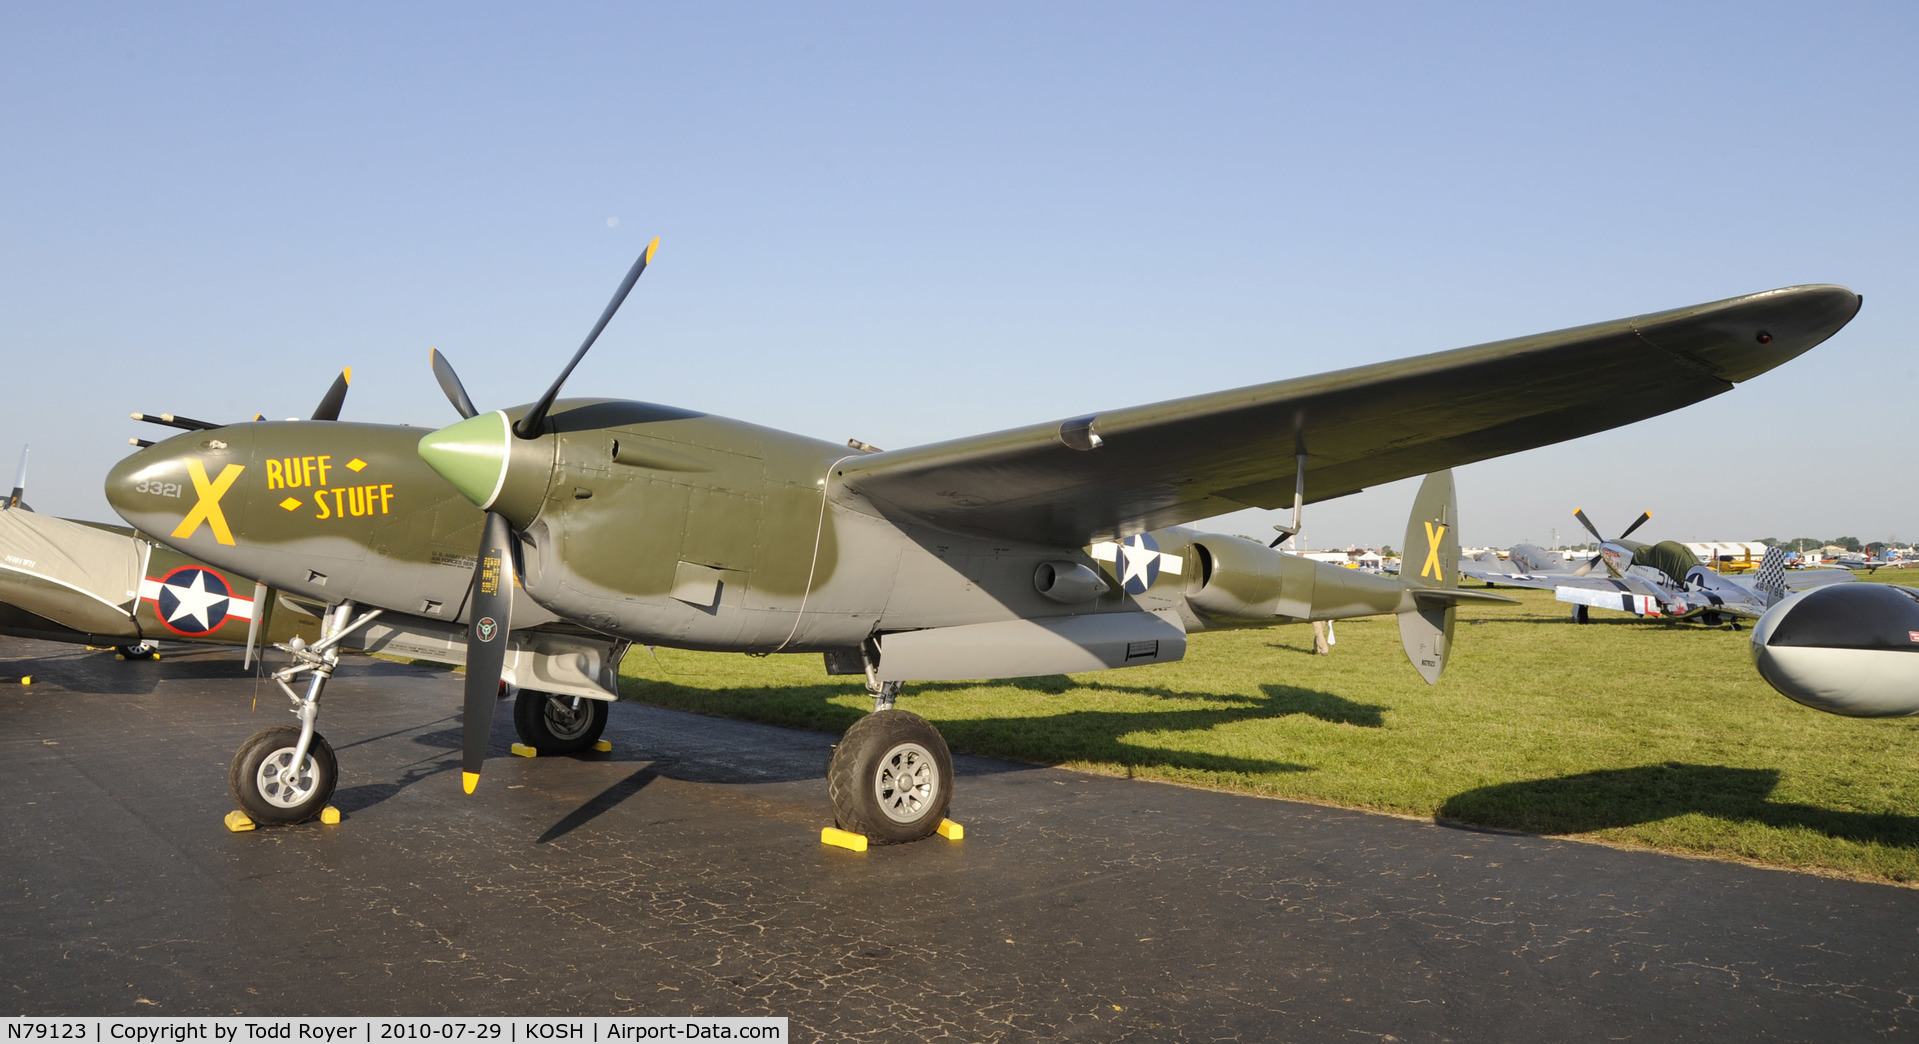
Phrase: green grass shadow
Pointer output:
(1614, 798)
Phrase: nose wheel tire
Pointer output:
(891, 778)
(552, 725)
(266, 785)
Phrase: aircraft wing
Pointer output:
(1120, 472)
(1535, 581)
(1807, 579)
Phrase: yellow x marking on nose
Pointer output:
(208, 509)
(1431, 568)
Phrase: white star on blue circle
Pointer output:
(194, 600)
(1138, 563)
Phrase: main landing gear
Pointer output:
(558, 724)
(286, 774)
(891, 776)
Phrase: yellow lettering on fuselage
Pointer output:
(354, 501)
(298, 472)
(208, 508)
(342, 502)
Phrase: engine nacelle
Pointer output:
(1244, 580)
(1240, 579)
(1068, 582)
(1850, 649)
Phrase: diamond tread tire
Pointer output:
(891, 759)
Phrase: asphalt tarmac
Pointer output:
(682, 874)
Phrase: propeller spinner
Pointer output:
(1580, 514)
(476, 456)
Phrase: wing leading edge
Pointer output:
(1125, 471)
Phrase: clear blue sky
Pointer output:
(907, 222)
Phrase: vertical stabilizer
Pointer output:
(1770, 580)
(1430, 559)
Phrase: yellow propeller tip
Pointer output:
(650, 248)
(469, 780)
(348, 374)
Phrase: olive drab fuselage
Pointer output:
(645, 522)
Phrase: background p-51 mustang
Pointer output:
(1665, 579)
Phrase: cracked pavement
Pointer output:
(682, 874)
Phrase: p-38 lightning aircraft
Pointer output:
(1040, 550)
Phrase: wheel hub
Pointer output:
(564, 720)
(280, 784)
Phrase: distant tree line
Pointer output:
(1797, 544)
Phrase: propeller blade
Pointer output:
(450, 384)
(1644, 516)
(490, 609)
(335, 397)
(19, 484)
(1580, 514)
(534, 423)
(1588, 567)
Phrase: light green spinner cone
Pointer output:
(471, 455)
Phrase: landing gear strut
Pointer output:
(884, 694)
(1579, 614)
(286, 774)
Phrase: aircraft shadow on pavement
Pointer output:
(1611, 798)
(103, 674)
(1110, 736)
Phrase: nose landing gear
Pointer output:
(287, 773)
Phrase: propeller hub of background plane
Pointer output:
(472, 455)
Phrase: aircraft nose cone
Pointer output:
(158, 487)
(472, 455)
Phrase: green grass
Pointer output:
(1627, 731)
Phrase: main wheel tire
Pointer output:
(264, 788)
(891, 778)
(1579, 614)
(550, 724)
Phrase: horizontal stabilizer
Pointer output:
(1429, 597)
